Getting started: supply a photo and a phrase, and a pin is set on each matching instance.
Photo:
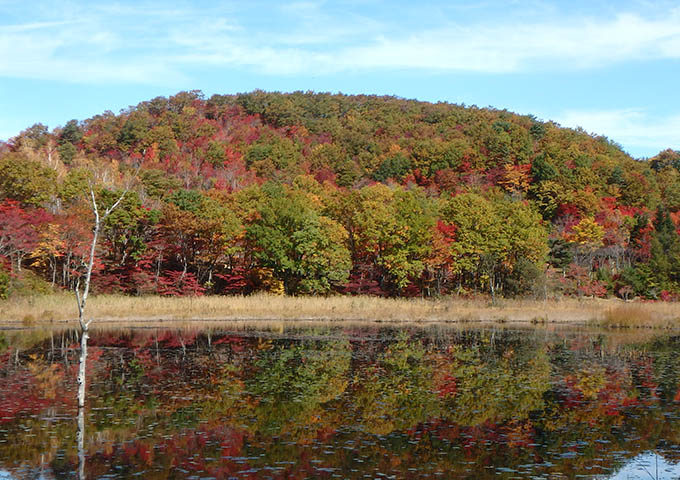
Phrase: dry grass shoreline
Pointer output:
(61, 308)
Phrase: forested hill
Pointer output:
(320, 193)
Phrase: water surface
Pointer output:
(342, 402)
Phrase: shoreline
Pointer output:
(60, 309)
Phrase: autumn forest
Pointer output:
(315, 193)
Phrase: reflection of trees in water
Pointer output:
(496, 389)
(396, 392)
(290, 383)
(408, 401)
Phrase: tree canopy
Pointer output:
(315, 193)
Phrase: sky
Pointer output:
(609, 67)
(647, 465)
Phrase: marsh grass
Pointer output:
(28, 320)
(641, 315)
(59, 308)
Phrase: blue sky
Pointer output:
(611, 67)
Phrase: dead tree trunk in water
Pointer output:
(80, 436)
(81, 297)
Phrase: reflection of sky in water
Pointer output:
(5, 475)
(646, 466)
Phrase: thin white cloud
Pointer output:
(27, 27)
(86, 50)
(642, 135)
(145, 45)
(326, 49)
(492, 48)
(582, 43)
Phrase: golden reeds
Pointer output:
(641, 315)
(61, 308)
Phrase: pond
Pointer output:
(342, 401)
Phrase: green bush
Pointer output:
(27, 284)
(395, 167)
(525, 279)
(4, 284)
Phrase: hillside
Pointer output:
(317, 193)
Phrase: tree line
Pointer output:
(308, 193)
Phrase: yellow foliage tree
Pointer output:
(587, 233)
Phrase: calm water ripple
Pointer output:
(342, 402)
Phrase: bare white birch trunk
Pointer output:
(82, 363)
(81, 299)
(81, 443)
